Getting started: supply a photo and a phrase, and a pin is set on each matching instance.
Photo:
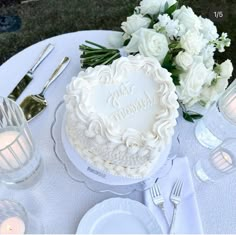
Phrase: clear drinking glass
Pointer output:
(15, 220)
(19, 160)
(219, 122)
(220, 162)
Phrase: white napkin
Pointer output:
(188, 218)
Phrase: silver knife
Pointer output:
(23, 83)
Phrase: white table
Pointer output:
(59, 202)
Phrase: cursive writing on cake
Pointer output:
(138, 105)
(124, 89)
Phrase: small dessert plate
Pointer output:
(119, 216)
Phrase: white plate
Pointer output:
(119, 216)
(102, 176)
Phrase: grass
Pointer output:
(46, 18)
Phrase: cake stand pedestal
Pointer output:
(98, 181)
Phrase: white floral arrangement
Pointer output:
(184, 43)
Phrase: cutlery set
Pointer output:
(175, 198)
(24, 82)
(33, 105)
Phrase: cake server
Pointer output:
(34, 104)
(23, 83)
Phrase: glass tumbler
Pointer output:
(219, 122)
(220, 162)
(19, 160)
(15, 220)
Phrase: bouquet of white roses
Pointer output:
(184, 43)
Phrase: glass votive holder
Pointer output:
(20, 163)
(219, 122)
(15, 220)
(220, 162)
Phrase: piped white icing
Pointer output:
(103, 102)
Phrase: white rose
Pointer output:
(184, 60)
(226, 69)
(208, 56)
(134, 23)
(149, 43)
(192, 81)
(192, 42)
(133, 44)
(153, 7)
(208, 29)
(153, 44)
(186, 16)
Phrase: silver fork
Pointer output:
(175, 199)
(158, 199)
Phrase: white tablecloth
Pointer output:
(59, 202)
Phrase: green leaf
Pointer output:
(173, 45)
(126, 42)
(196, 116)
(171, 9)
(152, 23)
(202, 103)
(166, 7)
(191, 116)
(187, 117)
(176, 51)
(168, 58)
(153, 18)
(213, 82)
(175, 79)
(176, 72)
(167, 63)
(148, 16)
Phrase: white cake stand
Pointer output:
(95, 179)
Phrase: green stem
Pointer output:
(95, 44)
(113, 57)
(85, 47)
(100, 51)
(97, 57)
(182, 106)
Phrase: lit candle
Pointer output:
(222, 161)
(17, 154)
(12, 225)
(230, 108)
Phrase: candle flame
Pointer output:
(222, 161)
(228, 159)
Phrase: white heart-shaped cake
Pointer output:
(120, 117)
